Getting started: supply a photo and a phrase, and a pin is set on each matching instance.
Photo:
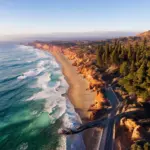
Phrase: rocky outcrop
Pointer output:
(128, 124)
(137, 133)
(99, 102)
(38, 45)
(131, 132)
(144, 34)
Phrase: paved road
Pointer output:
(109, 134)
(106, 140)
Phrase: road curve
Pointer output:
(111, 119)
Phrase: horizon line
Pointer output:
(73, 32)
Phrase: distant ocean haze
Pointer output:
(93, 35)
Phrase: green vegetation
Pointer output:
(143, 146)
(131, 55)
(133, 61)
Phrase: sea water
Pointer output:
(32, 103)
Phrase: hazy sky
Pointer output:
(47, 16)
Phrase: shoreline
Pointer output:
(77, 87)
(80, 98)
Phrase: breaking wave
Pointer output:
(40, 88)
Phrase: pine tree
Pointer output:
(124, 69)
(129, 52)
(139, 147)
(138, 55)
(132, 67)
(119, 48)
(148, 70)
(134, 147)
(103, 58)
(99, 56)
(136, 47)
(147, 146)
(141, 73)
(114, 57)
(107, 54)
(145, 43)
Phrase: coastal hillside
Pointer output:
(123, 64)
(145, 34)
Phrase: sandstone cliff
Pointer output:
(129, 131)
(85, 67)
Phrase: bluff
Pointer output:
(86, 68)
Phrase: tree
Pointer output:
(141, 73)
(144, 43)
(136, 147)
(148, 70)
(107, 54)
(124, 68)
(147, 146)
(132, 67)
(103, 58)
(99, 56)
(145, 95)
(114, 57)
(122, 55)
(137, 55)
(139, 147)
(119, 48)
(129, 52)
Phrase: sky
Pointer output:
(28, 17)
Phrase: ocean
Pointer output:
(33, 105)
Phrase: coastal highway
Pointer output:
(109, 133)
(106, 141)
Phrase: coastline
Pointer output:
(77, 93)
(79, 97)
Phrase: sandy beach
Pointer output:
(80, 98)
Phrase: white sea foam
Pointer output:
(29, 61)
(64, 85)
(34, 112)
(56, 105)
(54, 63)
(53, 97)
(62, 143)
(71, 119)
(23, 146)
(41, 54)
(30, 73)
(33, 72)
(25, 48)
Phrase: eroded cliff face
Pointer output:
(89, 71)
(38, 45)
(45, 46)
(86, 68)
(128, 132)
